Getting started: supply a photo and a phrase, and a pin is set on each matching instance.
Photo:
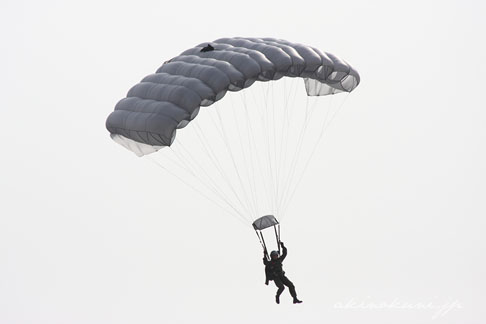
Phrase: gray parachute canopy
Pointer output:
(147, 119)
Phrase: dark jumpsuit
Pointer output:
(274, 271)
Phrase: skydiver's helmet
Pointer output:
(274, 255)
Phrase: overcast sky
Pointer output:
(391, 211)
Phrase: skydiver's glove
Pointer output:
(282, 244)
(266, 282)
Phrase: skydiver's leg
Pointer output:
(291, 286)
(281, 287)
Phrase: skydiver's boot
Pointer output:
(277, 299)
(296, 301)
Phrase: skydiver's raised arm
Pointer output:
(284, 252)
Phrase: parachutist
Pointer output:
(274, 271)
(208, 48)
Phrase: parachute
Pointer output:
(260, 171)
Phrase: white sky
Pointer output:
(394, 209)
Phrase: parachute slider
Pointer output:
(263, 223)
